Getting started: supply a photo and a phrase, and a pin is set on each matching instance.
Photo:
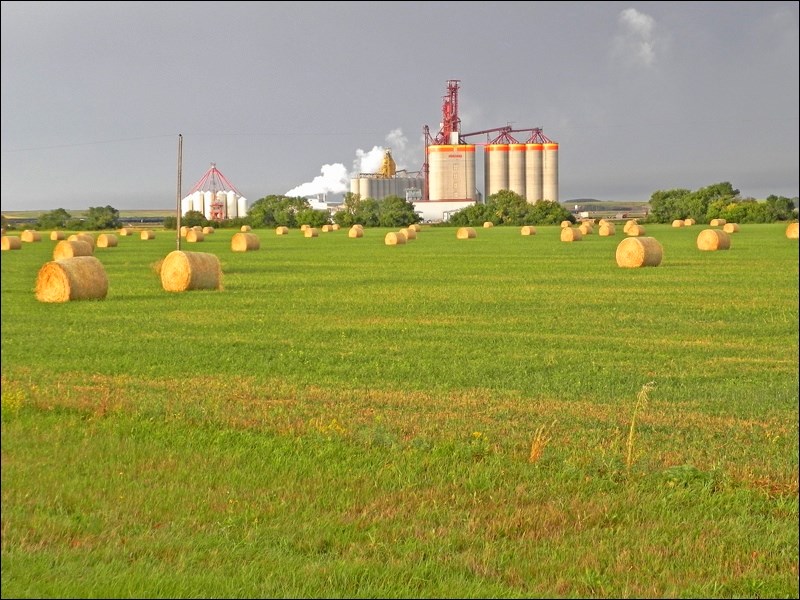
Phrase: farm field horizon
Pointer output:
(504, 416)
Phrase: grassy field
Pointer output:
(505, 416)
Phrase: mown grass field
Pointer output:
(504, 416)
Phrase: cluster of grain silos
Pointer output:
(377, 188)
(217, 205)
(451, 172)
(530, 169)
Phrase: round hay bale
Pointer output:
(602, 222)
(327, 228)
(607, 229)
(336, 227)
(586, 228)
(83, 237)
(184, 230)
(303, 227)
(717, 222)
(528, 230)
(628, 224)
(416, 227)
(11, 242)
(410, 234)
(125, 231)
(359, 225)
(635, 230)
(245, 242)
(355, 232)
(488, 224)
(689, 222)
(246, 228)
(713, 239)
(107, 240)
(394, 238)
(571, 234)
(147, 235)
(731, 228)
(57, 235)
(282, 230)
(71, 248)
(311, 232)
(792, 231)
(633, 252)
(678, 223)
(76, 278)
(194, 236)
(29, 235)
(565, 224)
(182, 271)
(465, 233)
(207, 230)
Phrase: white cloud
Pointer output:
(635, 45)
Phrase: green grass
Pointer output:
(350, 419)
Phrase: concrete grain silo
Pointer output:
(550, 172)
(516, 169)
(451, 172)
(533, 172)
(495, 168)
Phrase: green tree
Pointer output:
(394, 211)
(102, 217)
(193, 218)
(355, 209)
(55, 219)
(313, 217)
(274, 210)
(547, 212)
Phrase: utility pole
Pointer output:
(178, 201)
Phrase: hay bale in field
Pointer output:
(327, 228)
(713, 239)
(635, 230)
(311, 232)
(57, 236)
(245, 242)
(184, 230)
(633, 252)
(678, 223)
(465, 233)
(607, 229)
(586, 229)
(82, 237)
(194, 236)
(602, 222)
(147, 235)
(717, 222)
(689, 222)
(792, 231)
(410, 234)
(488, 224)
(731, 228)
(528, 230)
(336, 227)
(11, 242)
(359, 225)
(416, 227)
(207, 230)
(355, 232)
(282, 230)
(29, 235)
(76, 278)
(107, 240)
(245, 228)
(125, 231)
(628, 224)
(184, 271)
(571, 234)
(71, 248)
(394, 238)
(565, 224)
(303, 227)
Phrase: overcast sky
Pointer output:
(298, 96)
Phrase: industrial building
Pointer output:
(448, 180)
(215, 197)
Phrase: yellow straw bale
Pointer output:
(246, 228)
(75, 278)
(207, 230)
(355, 232)
(713, 239)
(83, 237)
(336, 227)
(327, 228)
(11, 242)
(586, 228)
(465, 233)
(416, 227)
(635, 230)
(731, 228)
(196, 228)
(678, 223)
(182, 271)
(57, 235)
(717, 222)
(566, 224)
(184, 230)
(394, 238)
(125, 231)
(571, 234)
(282, 230)
(689, 222)
(411, 234)
(488, 224)
(107, 240)
(528, 230)
(194, 236)
(245, 242)
(29, 235)
(633, 252)
(70, 248)
(359, 225)
(628, 224)
(607, 229)
(303, 227)
(147, 235)
(311, 232)
(792, 231)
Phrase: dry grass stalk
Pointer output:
(641, 401)
(76, 278)
(541, 438)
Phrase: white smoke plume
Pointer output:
(636, 44)
(335, 178)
